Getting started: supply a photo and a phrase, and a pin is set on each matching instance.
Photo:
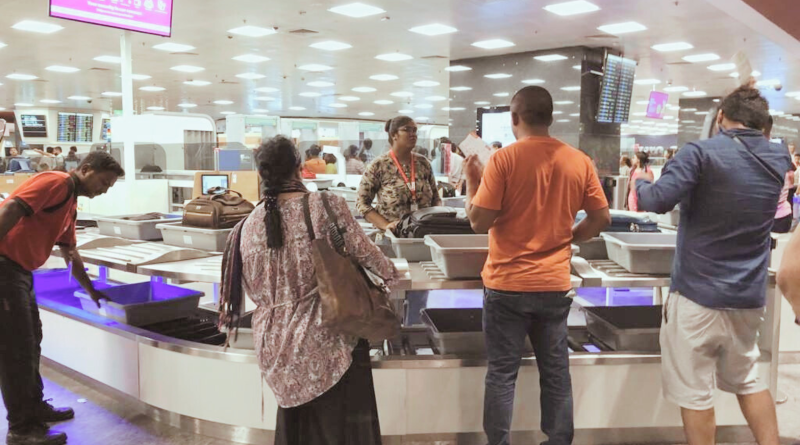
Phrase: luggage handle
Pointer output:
(227, 191)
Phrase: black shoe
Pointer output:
(36, 436)
(49, 414)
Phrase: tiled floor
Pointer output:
(101, 420)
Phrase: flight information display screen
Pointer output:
(616, 90)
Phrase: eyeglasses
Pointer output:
(409, 130)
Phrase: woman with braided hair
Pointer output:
(321, 380)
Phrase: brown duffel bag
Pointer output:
(219, 211)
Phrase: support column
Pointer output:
(129, 155)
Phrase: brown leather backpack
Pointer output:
(219, 211)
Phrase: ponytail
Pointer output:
(278, 161)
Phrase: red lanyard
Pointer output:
(412, 186)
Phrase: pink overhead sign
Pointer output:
(147, 16)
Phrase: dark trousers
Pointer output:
(20, 347)
(346, 414)
(508, 317)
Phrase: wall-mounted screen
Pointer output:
(147, 16)
(75, 127)
(657, 105)
(105, 132)
(34, 125)
(616, 90)
(209, 182)
(495, 125)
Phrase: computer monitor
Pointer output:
(211, 181)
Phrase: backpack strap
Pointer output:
(72, 193)
(307, 216)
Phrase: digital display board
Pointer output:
(75, 127)
(147, 16)
(34, 125)
(616, 90)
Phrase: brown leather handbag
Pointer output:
(219, 211)
(354, 300)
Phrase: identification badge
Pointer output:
(414, 207)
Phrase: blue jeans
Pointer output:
(508, 317)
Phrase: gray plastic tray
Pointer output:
(628, 329)
(212, 240)
(459, 256)
(458, 331)
(412, 249)
(135, 230)
(671, 218)
(642, 253)
(594, 249)
(459, 202)
(142, 304)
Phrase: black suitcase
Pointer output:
(433, 221)
(624, 221)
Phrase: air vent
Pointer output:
(303, 31)
(679, 63)
(99, 69)
(435, 57)
(228, 82)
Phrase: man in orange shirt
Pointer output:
(527, 202)
(314, 163)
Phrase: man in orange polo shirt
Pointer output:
(527, 201)
(39, 215)
(314, 163)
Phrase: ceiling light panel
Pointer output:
(498, 76)
(572, 88)
(405, 111)
(152, 88)
(62, 69)
(40, 27)
(675, 89)
(622, 28)
(394, 57)
(723, 67)
(265, 99)
(383, 102)
(227, 112)
(435, 98)
(675, 46)
(563, 102)
(251, 76)
(320, 84)
(493, 44)
(140, 76)
(458, 68)
(435, 29)
(572, 8)
(350, 98)
(357, 10)
(695, 94)
(697, 58)
(173, 47)
(22, 104)
(223, 102)
(112, 94)
(402, 94)
(366, 113)
(187, 105)
(501, 94)
(310, 94)
(314, 67)
(460, 89)
(423, 106)
(364, 89)
(331, 45)
(647, 82)
(550, 58)
(187, 68)
(197, 83)
(338, 105)
(267, 90)
(426, 83)
(384, 77)
(79, 98)
(18, 76)
(108, 59)
(482, 102)
(50, 101)
(156, 108)
(533, 81)
(251, 58)
(252, 31)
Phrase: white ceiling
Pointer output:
(204, 24)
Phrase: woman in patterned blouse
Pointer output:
(402, 181)
(322, 380)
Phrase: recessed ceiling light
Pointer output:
(364, 90)
(575, 114)
(647, 81)
(260, 110)
(550, 58)
(423, 118)
(460, 89)
(501, 94)
(723, 67)
(558, 112)
(22, 104)
(423, 106)
(197, 83)
(156, 108)
(384, 77)
(457, 68)
(267, 90)
(50, 101)
(22, 76)
(338, 105)
(394, 57)
(251, 76)
(640, 113)
(173, 47)
(497, 76)
(643, 102)
(320, 84)
(697, 58)
(482, 102)
(426, 83)
(669, 118)
(187, 68)
(563, 102)
(754, 74)
(79, 98)
(405, 111)
(533, 81)
(695, 94)
(187, 105)
(675, 89)
(108, 59)
(622, 28)
(434, 29)
(701, 113)
(675, 46)
(563, 120)
(331, 45)
(310, 94)
(690, 109)
(572, 8)
(349, 98)
(493, 44)
(252, 31)
(357, 10)
(402, 94)
(227, 112)
(62, 69)
(3, 45)
(223, 102)
(265, 99)
(251, 58)
(768, 83)
(366, 113)
(383, 102)
(315, 67)
(140, 76)
(40, 27)
(793, 93)
(453, 109)
(112, 94)
(435, 98)
(577, 67)
(297, 108)
(152, 88)
(573, 88)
